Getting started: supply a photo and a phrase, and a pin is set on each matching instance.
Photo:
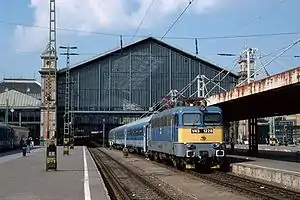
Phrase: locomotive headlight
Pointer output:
(191, 147)
(216, 145)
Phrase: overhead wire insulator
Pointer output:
(121, 42)
(196, 45)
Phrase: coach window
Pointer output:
(169, 120)
(164, 121)
(158, 122)
(153, 123)
(1, 134)
(212, 118)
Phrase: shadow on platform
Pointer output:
(12, 152)
(75, 170)
(238, 160)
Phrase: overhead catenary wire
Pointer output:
(166, 37)
(245, 25)
(228, 72)
(143, 19)
(261, 63)
(206, 95)
(177, 19)
(262, 67)
(258, 17)
(210, 54)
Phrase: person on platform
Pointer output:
(31, 143)
(22, 143)
(111, 144)
(28, 142)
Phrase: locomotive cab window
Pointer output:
(212, 118)
(191, 119)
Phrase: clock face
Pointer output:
(48, 63)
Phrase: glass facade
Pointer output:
(24, 115)
(135, 78)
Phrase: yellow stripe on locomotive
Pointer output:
(189, 134)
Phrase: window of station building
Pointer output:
(15, 116)
(2, 116)
(4, 133)
(30, 116)
(212, 118)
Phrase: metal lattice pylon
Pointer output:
(72, 114)
(49, 91)
(68, 99)
(67, 116)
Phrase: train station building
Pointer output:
(20, 104)
(122, 84)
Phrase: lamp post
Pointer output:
(6, 111)
(12, 114)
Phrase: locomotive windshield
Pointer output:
(212, 118)
(191, 118)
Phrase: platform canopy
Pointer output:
(17, 100)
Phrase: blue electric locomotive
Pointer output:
(186, 136)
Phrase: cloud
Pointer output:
(96, 15)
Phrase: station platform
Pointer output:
(282, 153)
(284, 173)
(265, 147)
(77, 177)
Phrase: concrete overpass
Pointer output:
(275, 95)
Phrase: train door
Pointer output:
(145, 138)
(125, 138)
(114, 138)
(174, 127)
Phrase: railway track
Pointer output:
(253, 188)
(247, 186)
(127, 184)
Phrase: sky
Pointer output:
(94, 27)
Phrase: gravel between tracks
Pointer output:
(182, 183)
(135, 184)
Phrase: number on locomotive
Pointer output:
(207, 130)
